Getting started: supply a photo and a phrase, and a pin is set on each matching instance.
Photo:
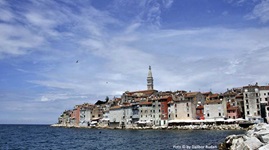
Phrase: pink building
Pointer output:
(233, 112)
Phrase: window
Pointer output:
(257, 100)
(153, 111)
(247, 107)
(264, 94)
(176, 116)
(141, 111)
(246, 101)
(207, 114)
(159, 110)
(233, 117)
(188, 115)
(229, 116)
(247, 112)
(258, 112)
(266, 99)
(146, 115)
(246, 95)
(169, 115)
(187, 104)
(219, 114)
(258, 106)
(257, 94)
(141, 116)
(153, 116)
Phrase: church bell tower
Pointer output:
(150, 80)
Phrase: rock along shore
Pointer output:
(257, 137)
(185, 127)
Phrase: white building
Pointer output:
(215, 109)
(264, 94)
(85, 115)
(115, 116)
(252, 103)
(145, 113)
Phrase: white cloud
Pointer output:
(260, 11)
(16, 40)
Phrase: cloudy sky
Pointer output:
(55, 54)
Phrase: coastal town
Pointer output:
(153, 108)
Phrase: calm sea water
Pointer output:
(46, 137)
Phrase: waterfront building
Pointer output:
(200, 112)
(115, 116)
(215, 109)
(267, 113)
(185, 105)
(252, 105)
(64, 119)
(160, 109)
(239, 99)
(233, 112)
(127, 115)
(264, 94)
(76, 115)
(145, 113)
(264, 97)
(86, 114)
(97, 113)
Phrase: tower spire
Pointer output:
(150, 80)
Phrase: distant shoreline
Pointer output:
(185, 127)
(26, 124)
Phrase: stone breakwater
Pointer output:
(185, 127)
(257, 137)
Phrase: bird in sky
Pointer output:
(77, 61)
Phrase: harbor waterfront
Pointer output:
(47, 137)
(172, 109)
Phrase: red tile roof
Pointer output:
(191, 94)
(115, 107)
(145, 103)
(213, 102)
(264, 87)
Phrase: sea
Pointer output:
(38, 137)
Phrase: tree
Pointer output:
(107, 99)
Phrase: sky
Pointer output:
(55, 54)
